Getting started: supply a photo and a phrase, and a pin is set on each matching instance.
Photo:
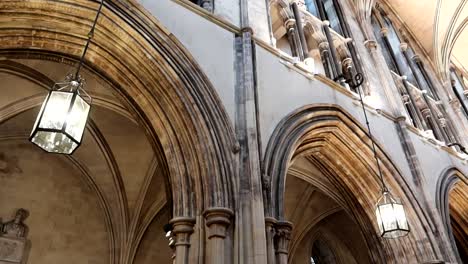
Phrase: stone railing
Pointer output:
(427, 113)
(327, 49)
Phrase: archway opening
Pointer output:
(324, 230)
(340, 149)
(458, 212)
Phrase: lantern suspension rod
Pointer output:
(359, 78)
(88, 41)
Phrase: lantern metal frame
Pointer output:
(386, 199)
(75, 88)
(75, 83)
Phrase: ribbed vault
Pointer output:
(441, 31)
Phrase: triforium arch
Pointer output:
(451, 192)
(339, 146)
(166, 89)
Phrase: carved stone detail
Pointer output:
(13, 238)
(182, 227)
(217, 220)
(282, 238)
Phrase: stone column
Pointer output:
(397, 106)
(182, 227)
(270, 232)
(282, 237)
(217, 221)
(300, 29)
(325, 55)
(290, 26)
(336, 64)
(431, 116)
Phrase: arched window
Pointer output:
(327, 10)
(322, 254)
(459, 89)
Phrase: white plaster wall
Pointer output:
(210, 45)
(282, 90)
(258, 13)
(228, 10)
(434, 161)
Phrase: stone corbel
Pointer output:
(347, 65)
(384, 31)
(370, 44)
(282, 239)
(426, 112)
(182, 227)
(416, 58)
(456, 105)
(290, 23)
(443, 122)
(217, 220)
(403, 46)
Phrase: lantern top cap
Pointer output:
(387, 198)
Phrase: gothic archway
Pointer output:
(338, 145)
(451, 192)
(166, 92)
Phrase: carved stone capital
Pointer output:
(323, 46)
(405, 98)
(283, 236)
(403, 46)
(426, 112)
(443, 122)
(384, 31)
(290, 23)
(270, 222)
(370, 44)
(456, 105)
(416, 58)
(182, 227)
(217, 220)
(347, 62)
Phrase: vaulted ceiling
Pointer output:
(97, 204)
(440, 27)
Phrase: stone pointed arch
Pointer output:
(445, 185)
(173, 99)
(341, 149)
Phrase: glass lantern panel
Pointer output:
(54, 142)
(387, 217)
(400, 216)
(76, 120)
(56, 109)
(40, 114)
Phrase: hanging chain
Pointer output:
(355, 82)
(88, 41)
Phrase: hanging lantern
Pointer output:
(62, 119)
(391, 217)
